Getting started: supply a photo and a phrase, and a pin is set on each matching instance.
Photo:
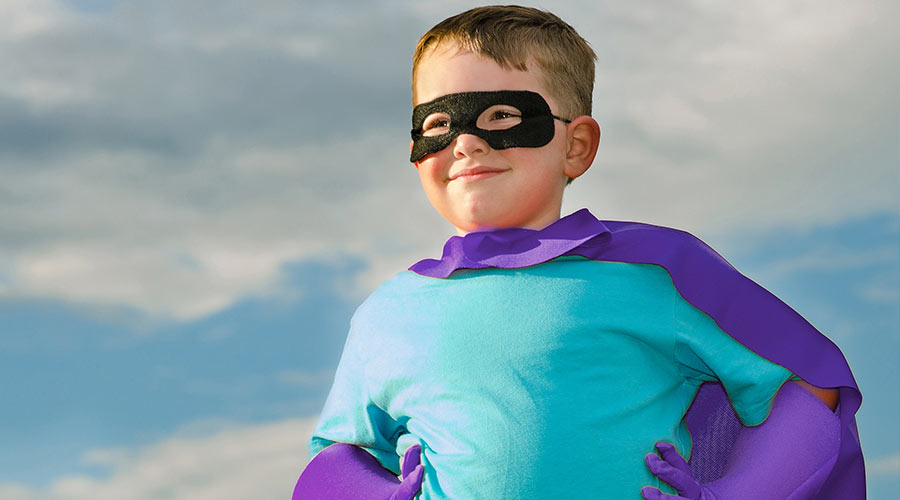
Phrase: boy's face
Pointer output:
(477, 187)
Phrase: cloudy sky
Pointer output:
(195, 196)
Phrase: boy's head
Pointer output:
(500, 125)
(521, 38)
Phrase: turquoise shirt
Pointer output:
(550, 381)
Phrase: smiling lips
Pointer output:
(475, 174)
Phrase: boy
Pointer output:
(543, 357)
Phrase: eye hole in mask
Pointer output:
(504, 119)
(497, 117)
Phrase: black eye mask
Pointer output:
(535, 130)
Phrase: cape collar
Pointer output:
(513, 247)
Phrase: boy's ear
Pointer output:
(583, 139)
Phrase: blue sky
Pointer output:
(85, 382)
(195, 197)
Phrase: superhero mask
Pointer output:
(504, 119)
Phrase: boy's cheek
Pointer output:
(415, 163)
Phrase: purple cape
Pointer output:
(746, 311)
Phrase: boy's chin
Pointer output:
(470, 226)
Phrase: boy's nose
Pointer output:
(466, 145)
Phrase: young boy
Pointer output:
(544, 357)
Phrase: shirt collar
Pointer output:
(513, 248)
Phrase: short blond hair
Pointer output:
(512, 35)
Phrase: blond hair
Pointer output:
(512, 36)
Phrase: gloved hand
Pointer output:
(411, 472)
(672, 469)
(787, 457)
(346, 472)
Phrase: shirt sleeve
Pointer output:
(350, 416)
(705, 353)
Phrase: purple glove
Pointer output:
(672, 469)
(346, 472)
(788, 456)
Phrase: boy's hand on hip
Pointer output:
(411, 473)
(672, 469)
(346, 472)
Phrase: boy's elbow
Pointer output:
(829, 397)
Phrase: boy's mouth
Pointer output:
(475, 173)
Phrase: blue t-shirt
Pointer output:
(549, 381)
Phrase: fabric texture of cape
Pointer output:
(743, 309)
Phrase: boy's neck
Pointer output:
(537, 226)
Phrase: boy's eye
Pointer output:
(499, 117)
(436, 124)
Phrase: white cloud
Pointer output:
(881, 293)
(238, 462)
(307, 379)
(832, 259)
(887, 466)
(160, 251)
(741, 119)
(26, 18)
(173, 158)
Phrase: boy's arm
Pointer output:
(829, 397)
(788, 456)
(354, 446)
(350, 415)
(791, 436)
(346, 472)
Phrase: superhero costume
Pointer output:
(739, 307)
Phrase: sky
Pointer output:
(196, 195)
